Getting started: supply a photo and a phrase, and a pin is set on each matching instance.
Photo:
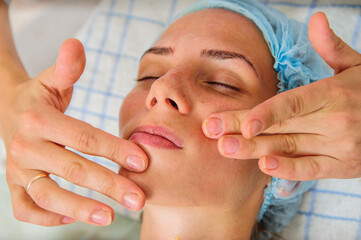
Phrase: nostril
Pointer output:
(153, 102)
(174, 104)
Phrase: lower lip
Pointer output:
(152, 140)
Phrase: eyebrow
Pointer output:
(207, 53)
(159, 51)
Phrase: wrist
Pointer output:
(10, 63)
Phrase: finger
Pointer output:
(293, 103)
(228, 122)
(290, 145)
(323, 125)
(68, 68)
(49, 196)
(302, 168)
(76, 134)
(329, 46)
(80, 171)
(25, 210)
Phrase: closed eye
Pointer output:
(219, 84)
(223, 85)
(147, 78)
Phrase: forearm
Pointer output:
(11, 67)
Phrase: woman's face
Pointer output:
(209, 61)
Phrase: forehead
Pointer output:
(215, 27)
(220, 29)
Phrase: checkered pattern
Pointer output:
(117, 34)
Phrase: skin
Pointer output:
(196, 185)
(320, 132)
(29, 102)
(36, 131)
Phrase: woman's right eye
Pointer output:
(147, 78)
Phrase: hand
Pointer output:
(35, 131)
(311, 132)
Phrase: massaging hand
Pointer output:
(35, 131)
(315, 130)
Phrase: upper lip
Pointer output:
(160, 131)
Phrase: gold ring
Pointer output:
(33, 179)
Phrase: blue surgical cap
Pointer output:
(296, 64)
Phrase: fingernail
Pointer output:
(67, 220)
(131, 200)
(101, 217)
(135, 163)
(230, 145)
(254, 128)
(270, 163)
(213, 127)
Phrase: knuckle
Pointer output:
(352, 149)
(297, 104)
(109, 187)
(115, 152)
(75, 172)
(288, 145)
(86, 141)
(77, 210)
(315, 170)
(236, 121)
(252, 147)
(29, 120)
(42, 199)
(281, 126)
(17, 146)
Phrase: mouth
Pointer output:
(156, 136)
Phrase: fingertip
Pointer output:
(252, 124)
(319, 16)
(136, 163)
(133, 201)
(269, 163)
(103, 216)
(70, 63)
(254, 128)
(72, 48)
(319, 24)
(213, 127)
(67, 220)
(228, 145)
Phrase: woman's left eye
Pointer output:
(224, 85)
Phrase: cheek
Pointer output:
(133, 104)
(222, 180)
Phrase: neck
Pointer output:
(183, 223)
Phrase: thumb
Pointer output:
(68, 68)
(336, 53)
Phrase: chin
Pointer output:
(166, 184)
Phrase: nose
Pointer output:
(169, 92)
